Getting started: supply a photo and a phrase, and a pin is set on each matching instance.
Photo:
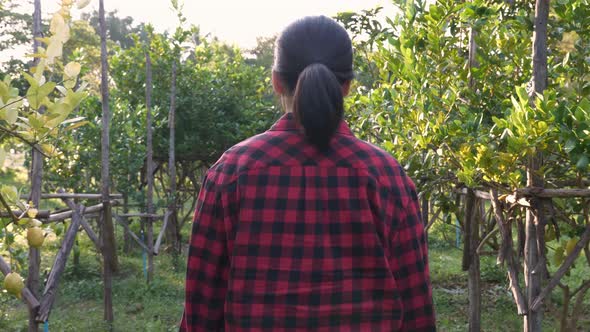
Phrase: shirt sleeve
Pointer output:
(208, 263)
(409, 264)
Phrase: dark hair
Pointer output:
(313, 57)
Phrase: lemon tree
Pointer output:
(36, 119)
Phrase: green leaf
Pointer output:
(10, 115)
(4, 92)
(36, 121)
(37, 95)
(58, 113)
(2, 156)
(10, 193)
(74, 98)
(77, 125)
(72, 120)
(582, 163)
(24, 221)
(32, 81)
(570, 145)
(522, 95)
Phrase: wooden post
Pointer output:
(36, 178)
(150, 164)
(107, 230)
(133, 236)
(471, 260)
(68, 214)
(474, 280)
(425, 213)
(467, 224)
(59, 265)
(91, 235)
(172, 222)
(506, 254)
(159, 240)
(534, 217)
(126, 238)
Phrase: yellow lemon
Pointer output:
(35, 237)
(571, 244)
(14, 284)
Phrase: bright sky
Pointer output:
(234, 21)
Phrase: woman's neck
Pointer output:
(287, 103)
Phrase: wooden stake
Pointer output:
(567, 263)
(107, 230)
(150, 164)
(36, 177)
(68, 214)
(534, 217)
(65, 195)
(130, 232)
(173, 219)
(84, 224)
(162, 231)
(59, 265)
(506, 254)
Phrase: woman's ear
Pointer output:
(346, 88)
(277, 85)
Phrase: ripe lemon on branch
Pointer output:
(35, 237)
(14, 284)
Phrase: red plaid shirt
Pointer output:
(286, 238)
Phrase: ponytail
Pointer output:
(313, 57)
(318, 104)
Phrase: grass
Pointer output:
(158, 306)
(137, 306)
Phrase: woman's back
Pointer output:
(288, 237)
(305, 227)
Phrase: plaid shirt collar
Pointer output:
(287, 123)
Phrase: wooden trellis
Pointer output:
(145, 246)
(42, 304)
(499, 207)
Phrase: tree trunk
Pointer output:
(36, 176)
(534, 217)
(109, 252)
(150, 165)
(173, 222)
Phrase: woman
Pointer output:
(305, 227)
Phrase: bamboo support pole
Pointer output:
(520, 194)
(142, 215)
(42, 214)
(68, 214)
(568, 262)
(65, 195)
(162, 231)
(59, 265)
(84, 224)
(130, 232)
(506, 254)
(553, 193)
